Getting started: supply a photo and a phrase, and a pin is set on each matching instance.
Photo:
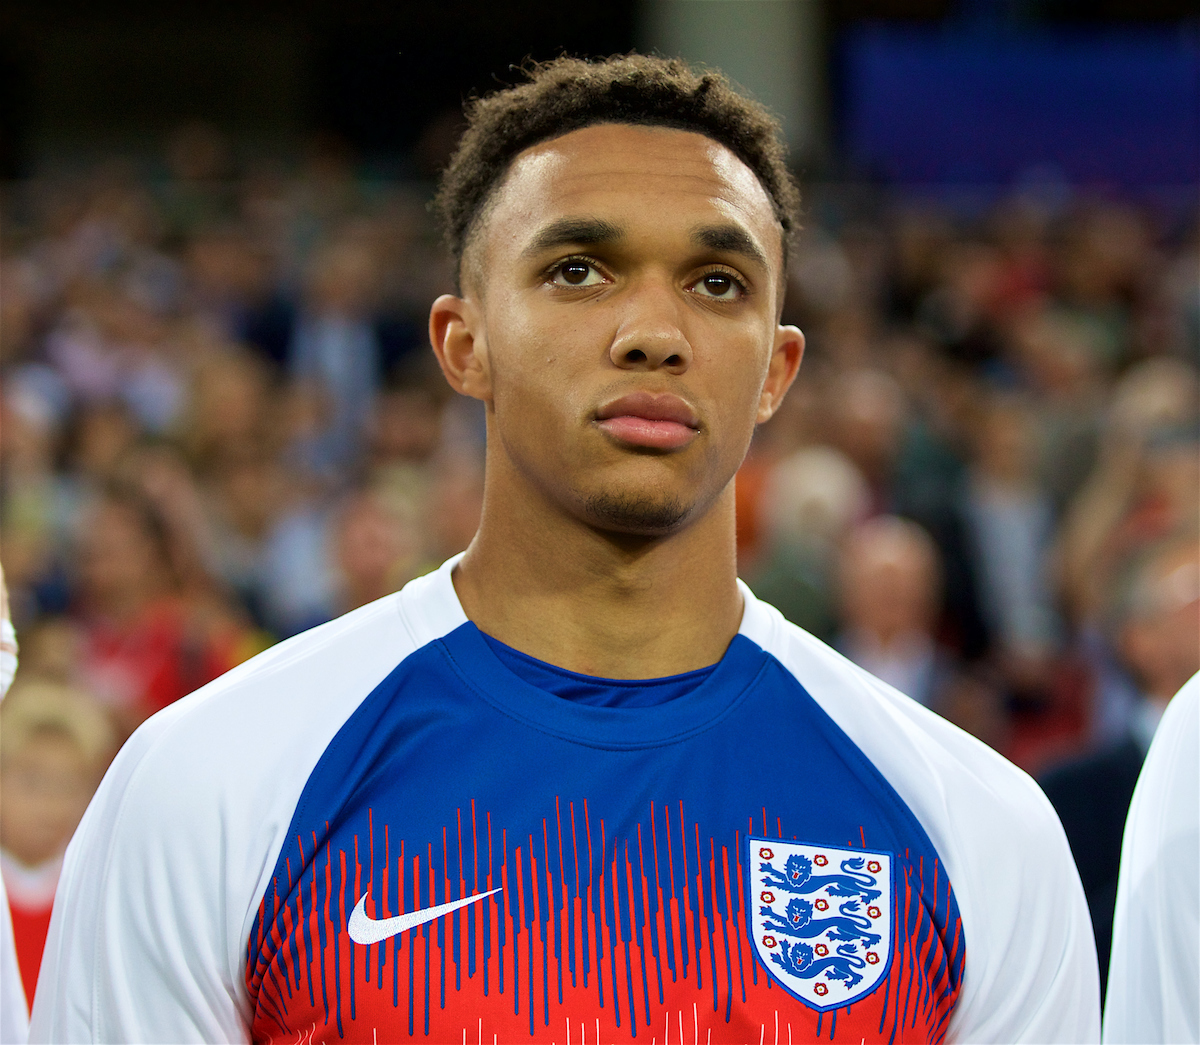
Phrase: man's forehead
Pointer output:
(607, 164)
(613, 148)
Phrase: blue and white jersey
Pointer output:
(378, 831)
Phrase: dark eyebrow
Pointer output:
(730, 239)
(583, 232)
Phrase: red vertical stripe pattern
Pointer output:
(647, 942)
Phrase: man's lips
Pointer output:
(658, 422)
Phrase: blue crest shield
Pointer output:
(821, 918)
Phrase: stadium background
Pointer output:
(221, 423)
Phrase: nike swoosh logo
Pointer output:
(365, 930)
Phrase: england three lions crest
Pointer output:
(822, 918)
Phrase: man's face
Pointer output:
(621, 304)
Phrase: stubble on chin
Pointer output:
(636, 513)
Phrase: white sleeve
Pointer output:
(1030, 973)
(14, 1013)
(1154, 976)
(14, 1016)
(139, 947)
(163, 878)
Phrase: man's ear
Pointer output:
(456, 333)
(785, 361)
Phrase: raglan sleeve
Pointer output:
(1029, 970)
(142, 940)
(1031, 973)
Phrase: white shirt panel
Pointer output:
(1031, 972)
(1154, 975)
(14, 1017)
(14, 1014)
(162, 880)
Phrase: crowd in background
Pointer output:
(222, 425)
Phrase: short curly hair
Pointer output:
(567, 94)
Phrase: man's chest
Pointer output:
(468, 878)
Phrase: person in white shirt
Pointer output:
(1154, 977)
(14, 1014)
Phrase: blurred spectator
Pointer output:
(55, 744)
(920, 238)
(1107, 255)
(231, 411)
(245, 496)
(1012, 525)
(143, 645)
(959, 313)
(378, 546)
(405, 427)
(50, 650)
(1145, 486)
(233, 294)
(889, 592)
(453, 507)
(1155, 629)
(97, 436)
(297, 580)
(109, 347)
(38, 506)
(868, 412)
(336, 353)
(1145, 482)
(812, 497)
(1054, 362)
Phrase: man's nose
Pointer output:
(651, 331)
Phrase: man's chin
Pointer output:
(637, 514)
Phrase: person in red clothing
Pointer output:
(146, 641)
(55, 743)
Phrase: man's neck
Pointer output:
(604, 604)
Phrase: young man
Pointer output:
(578, 785)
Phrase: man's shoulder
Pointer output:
(950, 779)
(210, 784)
(253, 735)
(997, 837)
(321, 673)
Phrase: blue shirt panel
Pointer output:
(462, 766)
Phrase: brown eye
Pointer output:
(720, 286)
(576, 272)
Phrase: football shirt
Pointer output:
(380, 830)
